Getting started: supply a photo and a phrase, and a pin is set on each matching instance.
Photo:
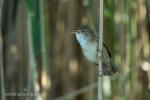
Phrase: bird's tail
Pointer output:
(109, 69)
(114, 67)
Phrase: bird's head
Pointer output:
(84, 32)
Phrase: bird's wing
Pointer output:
(108, 65)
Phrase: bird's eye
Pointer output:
(83, 30)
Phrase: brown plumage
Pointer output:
(88, 41)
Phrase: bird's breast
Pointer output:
(89, 47)
(90, 51)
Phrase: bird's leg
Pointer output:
(100, 56)
(100, 52)
(102, 75)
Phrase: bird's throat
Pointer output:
(89, 47)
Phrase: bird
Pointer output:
(88, 41)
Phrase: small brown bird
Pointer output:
(88, 41)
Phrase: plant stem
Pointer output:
(100, 79)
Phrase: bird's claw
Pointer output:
(101, 75)
(99, 51)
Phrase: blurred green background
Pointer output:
(40, 60)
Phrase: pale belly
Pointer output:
(89, 47)
(91, 52)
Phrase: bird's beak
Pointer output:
(74, 31)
